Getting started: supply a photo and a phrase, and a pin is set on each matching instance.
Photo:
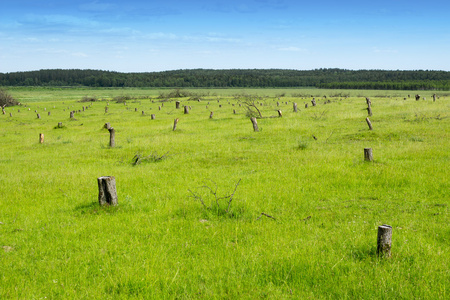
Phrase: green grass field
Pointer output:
(324, 201)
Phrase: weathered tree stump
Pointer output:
(211, 115)
(41, 138)
(159, 107)
(255, 124)
(294, 107)
(306, 105)
(107, 126)
(10, 114)
(368, 156)
(186, 109)
(278, 103)
(280, 114)
(417, 97)
(135, 109)
(384, 240)
(369, 110)
(368, 101)
(71, 114)
(175, 122)
(177, 104)
(48, 113)
(370, 124)
(234, 111)
(106, 109)
(313, 102)
(434, 97)
(107, 194)
(84, 108)
(112, 137)
(153, 116)
(60, 125)
(38, 116)
(143, 113)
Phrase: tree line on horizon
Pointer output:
(236, 78)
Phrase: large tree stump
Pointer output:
(368, 156)
(107, 194)
(186, 109)
(177, 104)
(153, 116)
(112, 137)
(41, 138)
(255, 124)
(369, 123)
(294, 106)
(175, 122)
(384, 240)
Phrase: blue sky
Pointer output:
(155, 35)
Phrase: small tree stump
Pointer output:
(41, 138)
(49, 113)
(186, 109)
(368, 102)
(384, 240)
(255, 124)
(10, 114)
(175, 122)
(294, 106)
(211, 115)
(370, 124)
(278, 103)
(107, 126)
(143, 113)
(107, 194)
(4, 112)
(313, 102)
(434, 97)
(112, 137)
(38, 116)
(153, 116)
(135, 109)
(177, 104)
(60, 125)
(234, 111)
(159, 107)
(368, 156)
(71, 114)
(106, 109)
(306, 105)
(280, 114)
(84, 108)
(369, 110)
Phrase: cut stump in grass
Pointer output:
(60, 125)
(280, 114)
(294, 107)
(255, 124)
(107, 126)
(369, 124)
(153, 116)
(175, 122)
(41, 138)
(211, 115)
(177, 104)
(112, 137)
(186, 110)
(384, 240)
(368, 156)
(107, 194)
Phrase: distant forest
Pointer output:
(251, 78)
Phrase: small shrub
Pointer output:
(6, 99)
(89, 99)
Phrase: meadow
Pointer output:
(214, 210)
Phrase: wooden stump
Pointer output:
(370, 124)
(107, 126)
(211, 115)
(143, 113)
(60, 125)
(255, 124)
(41, 138)
(10, 114)
(135, 109)
(106, 109)
(4, 112)
(434, 97)
(175, 122)
(112, 137)
(107, 194)
(177, 104)
(368, 101)
(153, 116)
(49, 113)
(186, 110)
(71, 114)
(306, 105)
(234, 111)
(313, 102)
(38, 116)
(384, 240)
(159, 107)
(368, 156)
(280, 114)
(369, 110)
(294, 106)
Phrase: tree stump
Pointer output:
(255, 124)
(175, 122)
(280, 114)
(107, 194)
(49, 113)
(384, 240)
(369, 110)
(368, 101)
(186, 110)
(60, 125)
(370, 124)
(107, 126)
(135, 109)
(10, 114)
(313, 102)
(294, 106)
(278, 103)
(211, 115)
(143, 113)
(417, 97)
(177, 104)
(112, 137)
(38, 116)
(153, 116)
(41, 138)
(434, 97)
(368, 156)
(71, 114)
(106, 109)
(4, 112)
(306, 105)
(234, 111)
(159, 107)
(84, 108)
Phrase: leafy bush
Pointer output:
(6, 99)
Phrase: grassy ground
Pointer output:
(325, 203)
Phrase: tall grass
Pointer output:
(324, 201)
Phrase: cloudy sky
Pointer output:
(157, 35)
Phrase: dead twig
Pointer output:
(266, 215)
